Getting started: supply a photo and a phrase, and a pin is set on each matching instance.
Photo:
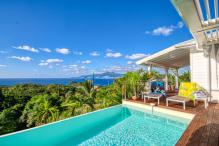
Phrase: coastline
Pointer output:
(47, 81)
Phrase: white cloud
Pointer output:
(27, 48)
(22, 58)
(49, 62)
(54, 60)
(94, 53)
(77, 53)
(43, 64)
(180, 24)
(2, 65)
(129, 62)
(136, 56)
(165, 30)
(113, 55)
(64, 51)
(121, 68)
(109, 50)
(75, 69)
(86, 62)
(116, 68)
(73, 66)
(46, 50)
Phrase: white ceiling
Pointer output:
(176, 56)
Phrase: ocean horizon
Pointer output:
(47, 81)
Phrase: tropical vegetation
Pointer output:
(27, 105)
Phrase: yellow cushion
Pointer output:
(187, 89)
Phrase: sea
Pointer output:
(46, 81)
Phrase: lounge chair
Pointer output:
(202, 95)
(181, 99)
(185, 94)
(154, 96)
(156, 91)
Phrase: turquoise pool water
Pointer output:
(118, 125)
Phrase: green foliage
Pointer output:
(87, 94)
(171, 79)
(133, 81)
(185, 77)
(41, 109)
(9, 119)
(69, 107)
(109, 96)
(29, 105)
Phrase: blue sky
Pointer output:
(64, 38)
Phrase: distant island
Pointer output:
(105, 75)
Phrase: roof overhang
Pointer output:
(176, 56)
(201, 17)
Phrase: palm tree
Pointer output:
(39, 110)
(88, 88)
(70, 108)
(89, 93)
(70, 105)
(46, 112)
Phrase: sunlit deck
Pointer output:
(204, 128)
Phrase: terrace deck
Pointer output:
(203, 129)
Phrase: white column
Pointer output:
(207, 50)
(177, 78)
(209, 73)
(166, 78)
(150, 68)
(216, 60)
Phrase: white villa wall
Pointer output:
(199, 72)
(198, 66)
(213, 70)
(214, 75)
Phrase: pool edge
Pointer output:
(36, 127)
(171, 112)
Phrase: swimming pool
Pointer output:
(118, 125)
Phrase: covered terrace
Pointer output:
(174, 58)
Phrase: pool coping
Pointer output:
(170, 112)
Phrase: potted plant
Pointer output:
(133, 84)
